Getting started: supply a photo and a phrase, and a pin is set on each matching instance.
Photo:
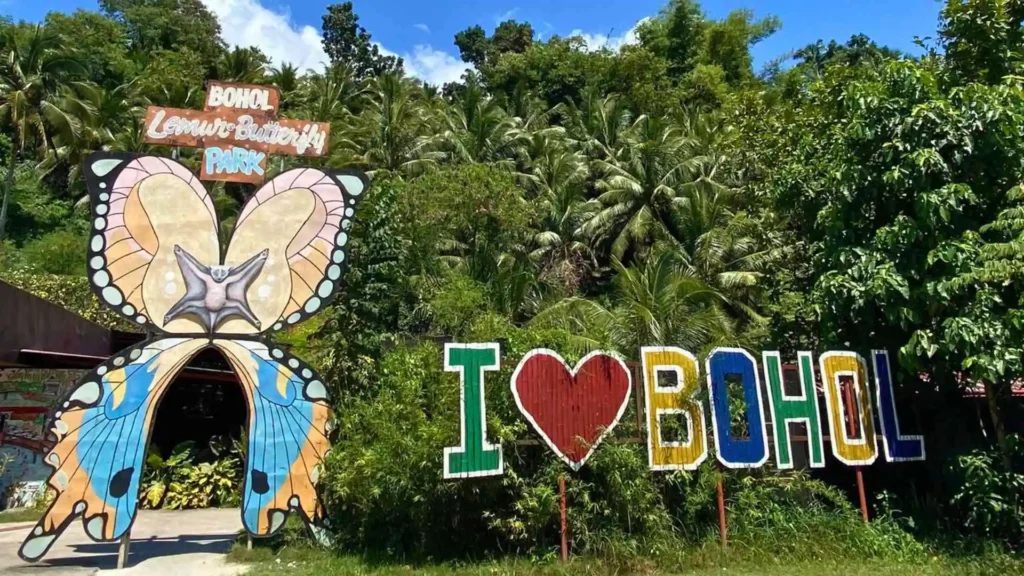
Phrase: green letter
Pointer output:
(474, 456)
(800, 408)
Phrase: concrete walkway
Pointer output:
(163, 542)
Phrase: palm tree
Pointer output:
(720, 245)
(246, 65)
(34, 72)
(480, 131)
(598, 123)
(286, 78)
(108, 119)
(638, 185)
(652, 302)
(556, 175)
(328, 96)
(396, 127)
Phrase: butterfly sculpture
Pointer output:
(155, 258)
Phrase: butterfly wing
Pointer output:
(102, 428)
(142, 207)
(302, 218)
(288, 426)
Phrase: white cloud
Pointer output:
(422, 27)
(508, 15)
(432, 66)
(248, 23)
(613, 43)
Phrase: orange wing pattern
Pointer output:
(303, 218)
(142, 207)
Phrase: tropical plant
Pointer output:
(396, 134)
(653, 302)
(480, 131)
(639, 185)
(35, 71)
(246, 65)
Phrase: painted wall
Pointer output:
(27, 397)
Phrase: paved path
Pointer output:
(163, 542)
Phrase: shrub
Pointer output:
(990, 498)
(183, 481)
(383, 490)
(61, 252)
(71, 292)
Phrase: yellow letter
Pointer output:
(860, 451)
(677, 399)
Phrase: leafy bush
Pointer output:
(71, 292)
(181, 481)
(61, 252)
(991, 497)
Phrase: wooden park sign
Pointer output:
(238, 130)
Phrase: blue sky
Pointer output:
(422, 31)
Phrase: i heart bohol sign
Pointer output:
(572, 409)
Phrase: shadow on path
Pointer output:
(104, 555)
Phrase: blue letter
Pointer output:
(732, 453)
(898, 448)
(213, 156)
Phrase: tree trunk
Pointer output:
(7, 194)
(992, 399)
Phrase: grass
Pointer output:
(20, 515)
(301, 560)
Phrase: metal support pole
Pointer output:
(122, 551)
(860, 492)
(851, 425)
(565, 533)
(248, 541)
(723, 529)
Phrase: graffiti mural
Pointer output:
(155, 258)
(27, 396)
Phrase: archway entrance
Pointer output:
(196, 448)
(203, 404)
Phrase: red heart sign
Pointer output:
(572, 410)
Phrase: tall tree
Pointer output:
(638, 186)
(35, 72)
(173, 25)
(396, 127)
(247, 65)
(286, 78)
(101, 44)
(983, 39)
(480, 131)
(509, 37)
(346, 42)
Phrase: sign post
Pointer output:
(238, 130)
(561, 506)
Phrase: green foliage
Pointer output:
(348, 43)
(61, 253)
(991, 498)
(157, 27)
(510, 37)
(182, 482)
(71, 292)
(982, 39)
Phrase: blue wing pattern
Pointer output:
(289, 421)
(102, 428)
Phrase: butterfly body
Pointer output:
(154, 258)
